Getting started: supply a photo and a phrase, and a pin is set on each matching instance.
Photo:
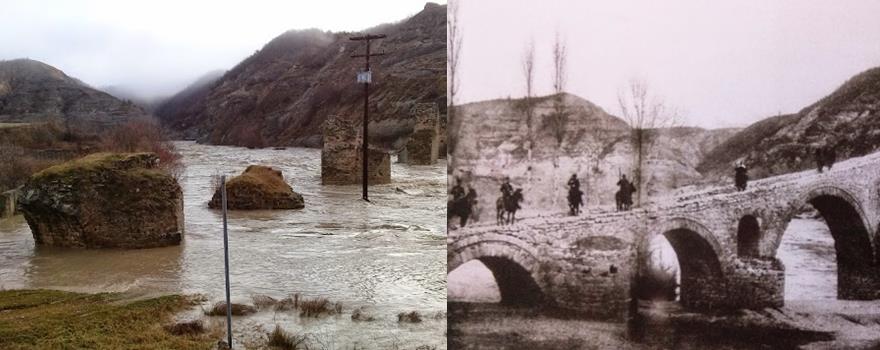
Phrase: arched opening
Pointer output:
(699, 266)
(659, 273)
(748, 235)
(827, 252)
(679, 265)
(493, 280)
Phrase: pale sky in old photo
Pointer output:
(721, 63)
(158, 47)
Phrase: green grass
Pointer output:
(48, 319)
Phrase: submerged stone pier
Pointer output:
(341, 156)
(423, 145)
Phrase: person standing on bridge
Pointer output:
(575, 196)
(741, 176)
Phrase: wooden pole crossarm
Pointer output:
(367, 37)
(372, 54)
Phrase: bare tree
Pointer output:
(528, 67)
(559, 118)
(645, 114)
(454, 39)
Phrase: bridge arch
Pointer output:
(853, 242)
(514, 268)
(698, 254)
(748, 236)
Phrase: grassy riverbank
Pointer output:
(49, 319)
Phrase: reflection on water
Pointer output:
(807, 251)
(388, 255)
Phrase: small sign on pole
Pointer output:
(365, 77)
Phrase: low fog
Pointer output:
(156, 48)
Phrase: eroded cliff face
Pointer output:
(32, 91)
(104, 200)
(281, 95)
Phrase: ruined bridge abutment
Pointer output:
(725, 242)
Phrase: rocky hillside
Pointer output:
(596, 146)
(848, 120)
(282, 93)
(32, 91)
(187, 100)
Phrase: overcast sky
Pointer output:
(160, 46)
(723, 63)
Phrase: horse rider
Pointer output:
(741, 176)
(573, 183)
(457, 191)
(506, 188)
(626, 189)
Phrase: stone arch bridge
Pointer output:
(725, 240)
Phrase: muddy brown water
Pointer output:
(388, 256)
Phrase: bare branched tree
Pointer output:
(454, 39)
(645, 114)
(528, 67)
(559, 118)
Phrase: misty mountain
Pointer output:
(848, 119)
(282, 93)
(188, 98)
(596, 146)
(32, 91)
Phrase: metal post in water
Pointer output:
(226, 262)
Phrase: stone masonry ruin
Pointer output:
(423, 145)
(341, 157)
(725, 242)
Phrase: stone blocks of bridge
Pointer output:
(424, 143)
(341, 156)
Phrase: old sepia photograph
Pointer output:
(222, 174)
(663, 175)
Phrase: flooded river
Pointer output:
(388, 256)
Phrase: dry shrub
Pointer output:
(410, 317)
(186, 327)
(316, 307)
(360, 314)
(283, 340)
(144, 135)
(219, 309)
(17, 165)
(264, 301)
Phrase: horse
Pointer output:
(575, 201)
(624, 202)
(508, 205)
(462, 208)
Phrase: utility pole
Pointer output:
(365, 77)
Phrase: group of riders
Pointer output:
(462, 202)
(825, 156)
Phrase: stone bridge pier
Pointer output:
(423, 145)
(341, 156)
(725, 242)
